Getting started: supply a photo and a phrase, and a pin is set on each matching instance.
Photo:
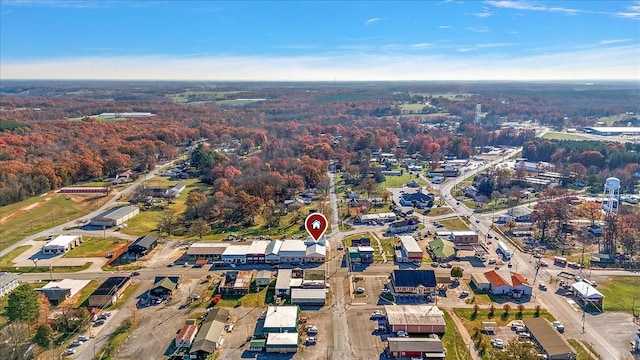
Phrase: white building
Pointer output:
(257, 251)
(293, 251)
(235, 254)
(8, 282)
(272, 255)
(62, 244)
(316, 253)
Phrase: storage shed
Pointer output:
(143, 245)
(115, 216)
(416, 319)
(308, 297)
(281, 319)
(552, 344)
(282, 342)
(428, 348)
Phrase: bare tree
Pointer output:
(167, 221)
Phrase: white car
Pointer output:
(492, 261)
(558, 326)
(402, 333)
(516, 324)
(544, 263)
(497, 343)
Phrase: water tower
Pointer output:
(612, 192)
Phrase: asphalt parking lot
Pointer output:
(372, 285)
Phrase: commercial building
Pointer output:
(293, 251)
(424, 348)
(315, 297)
(263, 278)
(62, 244)
(480, 282)
(283, 282)
(551, 343)
(612, 130)
(497, 284)
(109, 291)
(415, 319)
(441, 250)
(286, 342)
(413, 283)
(59, 291)
(520, 286)
(8, 282)
(409, 250)
(210, 334)
(281, 319)
(272, 255)
(143, 245)
(235, 254)
(115, 216)
(464, 240)
(403, 226)
(84, 190)
(256, 252)
(164, 286)
(206, 250)
(588, 295)
(315, 253)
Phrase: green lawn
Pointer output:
(412, 108)
(40, 213)
(552, 135)
(452, 341)
(95, 247)
(618, 293)
(7, 259)
(437, 211)
(580, 349)
(122, 332)
(42, 269)
(399, 181)
(83, 296)
(454, 224)
(471, 322)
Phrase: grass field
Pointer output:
(6, 261)
(437, 211)
(43, 212)
(412, 108)
(95, 247)
(452, 341)
(122, 332)
(552, 135)
(399, 181)
(82, 298)
(580, 349)
(619, 292)
(472, 321)
(195, 97)
(455, 223)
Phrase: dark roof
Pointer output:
(146, 241)
(405, 222)
(108, 285)
(551, 342)
(214, 323)
(413, 278)
(417, 196)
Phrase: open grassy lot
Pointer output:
(399, 181)
(82, 298)
(95, 247)
(437, 211)
(455, 223)
(412, 108)
(7, 259)
(552, 135)
(252, 299)
(619, 292)
(42, 212)
(583, 354)
(472, 321)
(452, 341)
(118, 337)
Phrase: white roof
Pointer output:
(283, 279)
(236, 250)
(62, 240)
(74, 285)
(414, 315)
(281, 317)
(308, 294)
(587, 291)
(282, 339)
(258, 247)
(410, 244)
(293, 245)
(463, 232)
(201, 248)
(274, 247)
(629, 129)
(316, 250)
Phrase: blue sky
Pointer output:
(318, 40)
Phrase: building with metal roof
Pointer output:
(235, 254)
(210, 334)
(115, 216)
(281, 319)
(206, 250)
(409, 249)
(8, 282)
(588, 295)
(442, 250)
(551, 343)
(143, 245)
(61, 244)
(424, 348)
(58, 291)
(305, 296)
(283, 342)
(109, 291)
(497, 284)
(416, 319)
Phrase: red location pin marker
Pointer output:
(316, 224)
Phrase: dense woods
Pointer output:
(263, 150)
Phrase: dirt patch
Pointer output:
(26, 208)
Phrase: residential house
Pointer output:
(186, 336)
(175, 191)
(366, 254)
(403, 226)
(413, 282)
(59, 291)
(520, 214)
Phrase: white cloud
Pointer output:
(444, 27)
(482, 29)
(530, 6)
(372, 21)
(485, 13)
(614, 41)
(617, 63)
(420, 45)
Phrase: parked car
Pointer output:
(402, 333)
(99, 322)
(537, 256)
(510, 264)
(135, 273)
(516, 324)
(69, 352)
(76, 343)
(376, 314)
(519, 329)
(310, 341)
(359, 290)
(477, 221)
(558, 326)
(497, 343)
(464, 294)
(544, 263)
(492, 261)
(524, 335)
(83, 338)
(341, 247)
(542, 287)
